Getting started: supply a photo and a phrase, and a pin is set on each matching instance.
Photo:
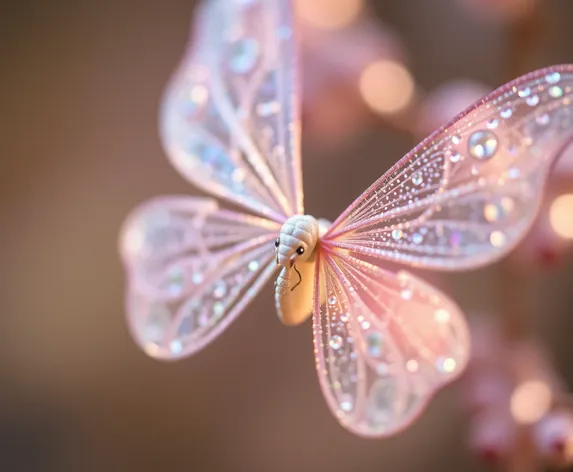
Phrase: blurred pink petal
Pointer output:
(446, 101)
(553, 436)
(333, 62)
(511, 388)
(492, 434)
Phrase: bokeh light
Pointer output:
(530, 401)
(386, 86)
(561, 216)
(328, 14)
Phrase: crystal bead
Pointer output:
(244, 55)
(335, 342)
(482, 145)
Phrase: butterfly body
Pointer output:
(294, 284)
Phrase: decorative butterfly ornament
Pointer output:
(385, 342)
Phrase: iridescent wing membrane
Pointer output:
(461, 199)
(230, 125)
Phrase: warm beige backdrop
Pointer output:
(80, 84)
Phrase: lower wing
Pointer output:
(384, 343)
(192, 268)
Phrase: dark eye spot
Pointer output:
(277, 242)
(300, 251)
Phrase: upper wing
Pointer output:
(230, 118)
(467, 194)
(192, 268)
(384, 343)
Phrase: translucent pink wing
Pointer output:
(192, 268)
(468, 193)
(230, 118)
(384, 343)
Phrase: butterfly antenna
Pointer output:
(299, 278)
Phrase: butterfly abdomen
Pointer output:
(282, 284)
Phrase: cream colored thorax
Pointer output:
(296, 254)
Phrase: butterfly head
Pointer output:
(297, 240)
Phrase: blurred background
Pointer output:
(81, 83)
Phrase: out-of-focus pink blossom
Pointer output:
(333, 61)
(514, 400)
(445, 102)
(553, 436)
(552, 234)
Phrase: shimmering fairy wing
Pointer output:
(384, 343)
(230, 118)
(192, 268)
(468, 193)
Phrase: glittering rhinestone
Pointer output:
(497, 239)
(239, 175)
(253, 266)
(365, 325)
(195, 100)
(417, 178)
(493, 123)
(175, 346)
(456, 139)
(532, 101)
(267, 109)
(442, 316)
(417, 238)
(407, 294)
(335, 342)
(455, 157)
(482, 145)
(220, 289)
(525, 92)
(346, 402)
(555, 91)
(491, 212)
(506, 113)
(244, 55)
(197, 278)
(218, 309)
(344, 317)
(332, 300)
(553, 78)
(175, 281)
(412, 365)
(446, 364)
(374, 344)
(397, 234)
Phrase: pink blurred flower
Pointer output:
(333, 61)
(514, 399)
(551, 237)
